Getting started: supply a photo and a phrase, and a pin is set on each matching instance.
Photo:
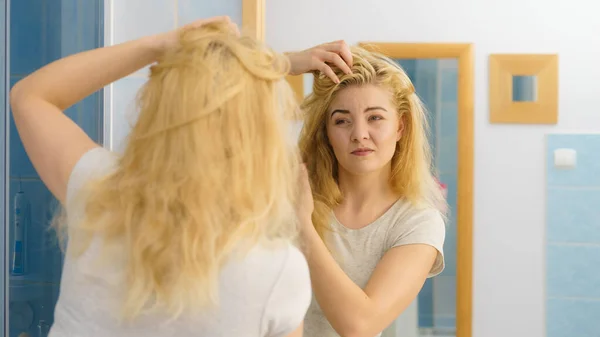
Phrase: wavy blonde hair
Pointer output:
(208, 171)
(411, 176)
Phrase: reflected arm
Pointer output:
(356, 312)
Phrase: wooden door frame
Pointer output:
(253, 18)
(464, 201)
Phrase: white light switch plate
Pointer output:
(565, 158)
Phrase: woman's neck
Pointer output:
(366, 191)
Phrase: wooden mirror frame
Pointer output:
(544, 110)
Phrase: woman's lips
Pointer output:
(362, 152)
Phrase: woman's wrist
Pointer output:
(292, 57)
(308, 231)
(155, 45)
(308, 237)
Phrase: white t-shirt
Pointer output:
(358, 251)
(264, 294)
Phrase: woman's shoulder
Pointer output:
(405, 213)
(97, 159)
(277, 273)
(281, 261)
(407, 222)
(281, 255)
(284, 272)
(92, 165)
(419, 225)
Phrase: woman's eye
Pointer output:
(340, 121)
(375, 118)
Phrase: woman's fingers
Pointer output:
(334, 58)
(334, 53)
(202, 22)
(306, 181)
(235, 28)
(327, 71)
(327, 58)
(341, 48)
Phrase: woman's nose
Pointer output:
(360, 131)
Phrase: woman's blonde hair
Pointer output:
(411, 176)
(207, 172)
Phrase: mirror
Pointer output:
(524, 88)
(434, 70)
(436, 83)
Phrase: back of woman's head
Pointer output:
(207, 169)
(411, 176)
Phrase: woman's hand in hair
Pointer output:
(321, 58)
(52, 141)
(168, 40)
(305, 204)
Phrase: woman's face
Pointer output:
(363, 128)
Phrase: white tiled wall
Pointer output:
(131, 19)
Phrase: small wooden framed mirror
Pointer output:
(523, 88)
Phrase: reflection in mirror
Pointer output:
(524, 88)
(433, 313)
(436, 83)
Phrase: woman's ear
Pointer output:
(400, 128)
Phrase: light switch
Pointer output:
(565, 158)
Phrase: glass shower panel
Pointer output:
(41, 31)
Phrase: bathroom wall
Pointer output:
(135, 18)
(42, 31)
(509, 183)
(435, 82)
(573, 238)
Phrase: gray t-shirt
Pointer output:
(264, 294)
(358, 251)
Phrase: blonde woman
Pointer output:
(374, 233)
(189, 232)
